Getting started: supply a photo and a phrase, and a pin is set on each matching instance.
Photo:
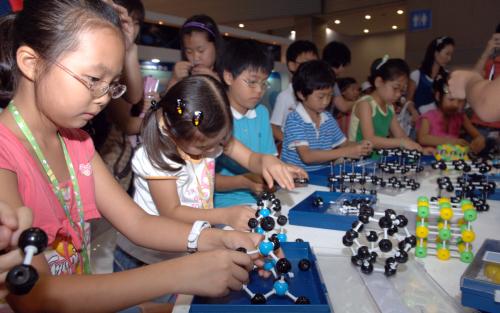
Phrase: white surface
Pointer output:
(329, 242)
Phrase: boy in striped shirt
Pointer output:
(312, 137)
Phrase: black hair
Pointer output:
(498, 28)
(298, 47)
(391, 69)
(337, 54)
(312, 75)
(195, 93)
(6, 60)
(434, 46)
(345, 82)
(135, 8)
(204, 24)
(440, 86)
(244, 55)
(50, 27)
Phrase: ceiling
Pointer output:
(279, 17)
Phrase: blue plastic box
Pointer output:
(477, 290)
(306, 284)
(306, 214)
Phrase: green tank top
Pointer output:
(381, 120)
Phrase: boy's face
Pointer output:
(318, 101)
(301, 58)
(352, 92)
(246, 90)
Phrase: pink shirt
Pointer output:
(36, 193)
(437, 125)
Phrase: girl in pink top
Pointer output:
(444, 124)
(65, 58)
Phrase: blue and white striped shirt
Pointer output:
(300, 130)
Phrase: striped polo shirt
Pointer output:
(301, 131)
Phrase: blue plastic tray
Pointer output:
(306, 214)
(306, 284)
(479, 293)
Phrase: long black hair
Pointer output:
(434, 46)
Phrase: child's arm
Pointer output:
(181, 70)
(342, 104)
(277, 132)
(212, 273)
(355, 151)
(478, 141)
(270, 167)
(426, 139)
(151, 231)
(250, 181)
(166, 199)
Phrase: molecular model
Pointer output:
(453, 231)
(280, 268)
(21, 278)
(448, 152)
(406, 161)
(268, 217)
(365, 255)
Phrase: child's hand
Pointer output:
(181, 69)
(237, 216)
(429, 150)
(213, 273)
(126, 22)
(12, 223)
(477, 144)
(367, 144)
(274, 169)
(358, 150)
(410, 144)
(254, 182)
(461, 142)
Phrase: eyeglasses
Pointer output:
(97, 88)
(253, 84)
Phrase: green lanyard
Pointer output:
(54, 182)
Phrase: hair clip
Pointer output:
(197, 118)
(154, 105)
(446, 90)
(440, 40)
(382, 62)
(181, 106)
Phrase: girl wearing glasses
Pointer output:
(63, 76)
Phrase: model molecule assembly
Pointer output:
(365, 255)
(453, 231)
(448, 152)
(21, 278)
(405, 161)
(268, 217)
(281, 270)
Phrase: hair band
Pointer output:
(200, 26)
(382, 62)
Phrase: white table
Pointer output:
(329, 242)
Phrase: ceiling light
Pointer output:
(366, 30)
(400, 12)
(241, 25)
(394, 27)
(226, 34)
(155, 60)
(337, 22)
(368, 17)
(292, 32)
(160, 22)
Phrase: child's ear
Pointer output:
(301, 96)
(27, 60)
(379, 82)
(228, 78)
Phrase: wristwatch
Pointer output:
(198, 227)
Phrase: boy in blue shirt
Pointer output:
(245, 68)
(312, 137)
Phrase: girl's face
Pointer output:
(450, 105)
(198, 50)
(391, 90)
(352, 92)
(443, 57)
(204, 146)
(62, 96)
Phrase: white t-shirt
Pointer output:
(285, 103)
(195, 188)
